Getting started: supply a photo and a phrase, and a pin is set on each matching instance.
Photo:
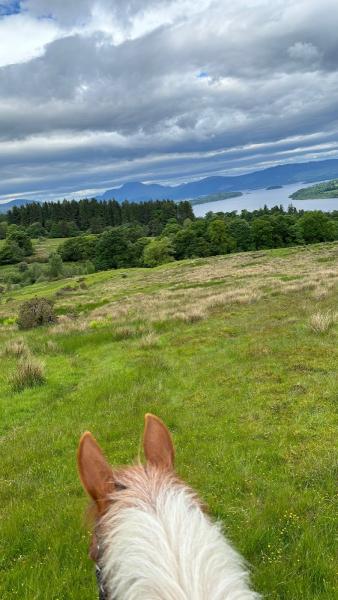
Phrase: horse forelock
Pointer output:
(157, 543)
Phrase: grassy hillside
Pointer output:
(237, 354)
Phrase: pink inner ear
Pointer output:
(157, 443)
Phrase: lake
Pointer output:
(254, 199)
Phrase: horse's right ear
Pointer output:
(157, 443)
(95, 473)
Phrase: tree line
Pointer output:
(177, 235)
(68, 218)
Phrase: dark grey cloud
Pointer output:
(105, 103)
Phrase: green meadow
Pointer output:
(237, 354)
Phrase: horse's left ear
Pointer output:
(157, 443)
(95, 473)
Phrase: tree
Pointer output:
(78, 248)
(36, 230)
(19, 236)
(240, 230)
(316, 226)
(113, 250)
(221, 242)
(3, 230)
(63, 229)
(55, 265)
(262, 233)
(191, 241)
(171, 228)
(158, 252)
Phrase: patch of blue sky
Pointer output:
(9, 7)
(202, 74)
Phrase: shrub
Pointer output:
(23, 267)
(36, 312)
(79, 248)
(29, 373)
(11, 253)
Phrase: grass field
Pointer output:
(237, 354)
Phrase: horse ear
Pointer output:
(95, 473)
(157, 443)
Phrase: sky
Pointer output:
(97, 93)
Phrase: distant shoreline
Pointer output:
(214, 197)
(319, 191)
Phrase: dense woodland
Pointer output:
(105, 235)
(67, 218)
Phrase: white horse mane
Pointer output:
(158, 544)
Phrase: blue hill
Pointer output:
(273, 176)
(5, 206)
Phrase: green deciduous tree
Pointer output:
(11, 253)
(220, 239)
(78, 248)
(316, 226)
(113, 250)
(158, 252)
(55, 265)
(20, 237)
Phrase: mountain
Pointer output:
(273, 176)
(280, 175)
(5, 206)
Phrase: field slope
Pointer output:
(237, 354)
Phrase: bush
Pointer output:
(11, 253)
(36, 312)
(19, 236)
(79, 248)
(29, 373)
(23, 267)
(36, 230)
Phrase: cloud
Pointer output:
(169, 89)
(304, 51)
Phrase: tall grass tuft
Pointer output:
(149, 340)
(29, 373)
(16, 348)
(321, 322)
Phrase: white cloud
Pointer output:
(24, 37)
(100, 91)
